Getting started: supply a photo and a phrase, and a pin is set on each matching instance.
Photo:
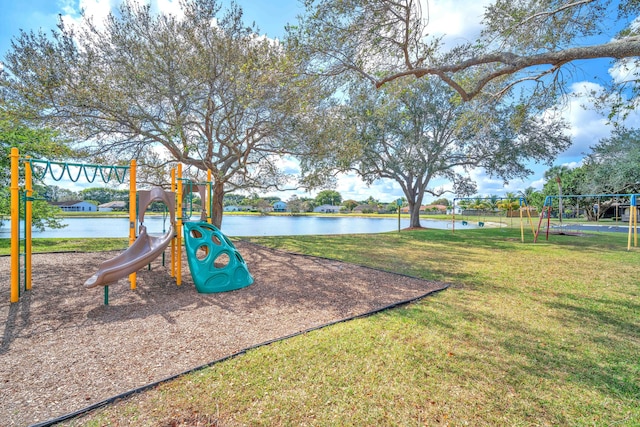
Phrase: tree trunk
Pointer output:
(217, 205)
(414, 213)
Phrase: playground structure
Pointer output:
(629, 213)
(522, 207)
(216, 265)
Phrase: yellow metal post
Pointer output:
(635, 226)
(132, 213)
(173, 241)
(209, 201)
(15, 229)
(28, 214)
(179, 226)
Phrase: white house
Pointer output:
(108, 207)
(327, 209)
(75, 206)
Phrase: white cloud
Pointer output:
(351, 187)
(587, 125)
(456, 19)
(98, 10)
(169, 7)
(625, 70)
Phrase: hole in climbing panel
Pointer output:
(202, 252)
(222, 260)
(196, 234)
(215, 239)
(239, 258)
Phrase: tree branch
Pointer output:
(508, 63)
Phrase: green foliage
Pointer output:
(201, 89)
(233, 199)
(350, 204)
(328, 197)
(37, 143)
(442, 201)
(43, 215)
(416, 131)
(614, 164)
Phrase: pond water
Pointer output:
(235, 225)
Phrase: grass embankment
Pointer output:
(544, 334)
(69, 245)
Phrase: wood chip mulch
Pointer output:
(63, 350)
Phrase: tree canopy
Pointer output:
(413, 132)
(202, 89)
(521, 41)
(328, 197)
(33, 142)
(613, 166)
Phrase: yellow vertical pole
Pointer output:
(533, 228)
(635, 226)
(179, 226)
(173, 241)
(132, 213)
(15, 229)
(28, 213)
(633, 223)
(631, 213)
(209, 204)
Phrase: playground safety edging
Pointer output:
(154, 384)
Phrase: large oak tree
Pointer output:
(202, 89)
(420, 131)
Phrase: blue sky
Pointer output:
(458, 19)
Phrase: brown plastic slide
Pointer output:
(145, 248)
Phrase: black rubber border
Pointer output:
(154, 384)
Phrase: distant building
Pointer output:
(75, 206)
(365, 209)
(112, 206)
(327, 209)
(237, 208)
(280, 206)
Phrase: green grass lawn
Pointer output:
(527, 334)
(69, 245)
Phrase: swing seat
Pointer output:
(480, 224)
(465, 223)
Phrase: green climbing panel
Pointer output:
(215, 264)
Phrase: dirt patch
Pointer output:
(62, 349)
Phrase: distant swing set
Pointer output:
(630, 213)
(523, 207)
(215, 264)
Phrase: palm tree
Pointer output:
(508, 203)
(557, 173)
